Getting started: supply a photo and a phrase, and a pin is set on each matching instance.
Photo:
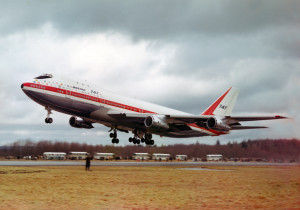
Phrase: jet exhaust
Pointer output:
(217, 124)
(80, 123)
(157, 122)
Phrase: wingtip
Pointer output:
(281, 117)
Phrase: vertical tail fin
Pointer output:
(223, 106)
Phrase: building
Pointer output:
(54, 155)
(181, 157)
(104, 156)
(159, 156)
(141, 156)
(78, 155)
(214, 157)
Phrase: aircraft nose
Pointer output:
(22, 85)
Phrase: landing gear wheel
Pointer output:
(143, 140)
(115, 141)
(130, 139)
(148, 136)
(151, 142)
(138, 141)
(49, 120)
(113, 135)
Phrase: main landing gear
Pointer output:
(114, 137)
(147, 139)
(48, 119)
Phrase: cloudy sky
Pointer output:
(180, 54)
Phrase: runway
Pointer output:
(139, 163)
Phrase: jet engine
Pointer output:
(80, 123)
(217, 124)
(156, 122)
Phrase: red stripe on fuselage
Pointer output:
(86, 97)
(210, 130)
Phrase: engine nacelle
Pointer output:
(80, 123)
(156, 122)
(217, 124)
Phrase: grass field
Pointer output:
(71, 187)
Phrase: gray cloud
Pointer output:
(150, 19)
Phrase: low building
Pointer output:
(181, 157)
(104, 156)
(78, 155)
(214, 157)
(54, 155)
(140, 156)
(159, 156)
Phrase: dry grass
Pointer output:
(149, 188)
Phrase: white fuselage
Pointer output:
(94, 105)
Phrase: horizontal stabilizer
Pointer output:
(253, 118)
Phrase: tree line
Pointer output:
(280, 149)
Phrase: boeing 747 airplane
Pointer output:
(119, 113)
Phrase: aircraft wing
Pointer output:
(231, 121)
(194, 118)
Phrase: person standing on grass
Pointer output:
(87, 163)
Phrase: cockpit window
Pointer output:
(44, 76)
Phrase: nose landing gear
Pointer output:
(48, 119)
